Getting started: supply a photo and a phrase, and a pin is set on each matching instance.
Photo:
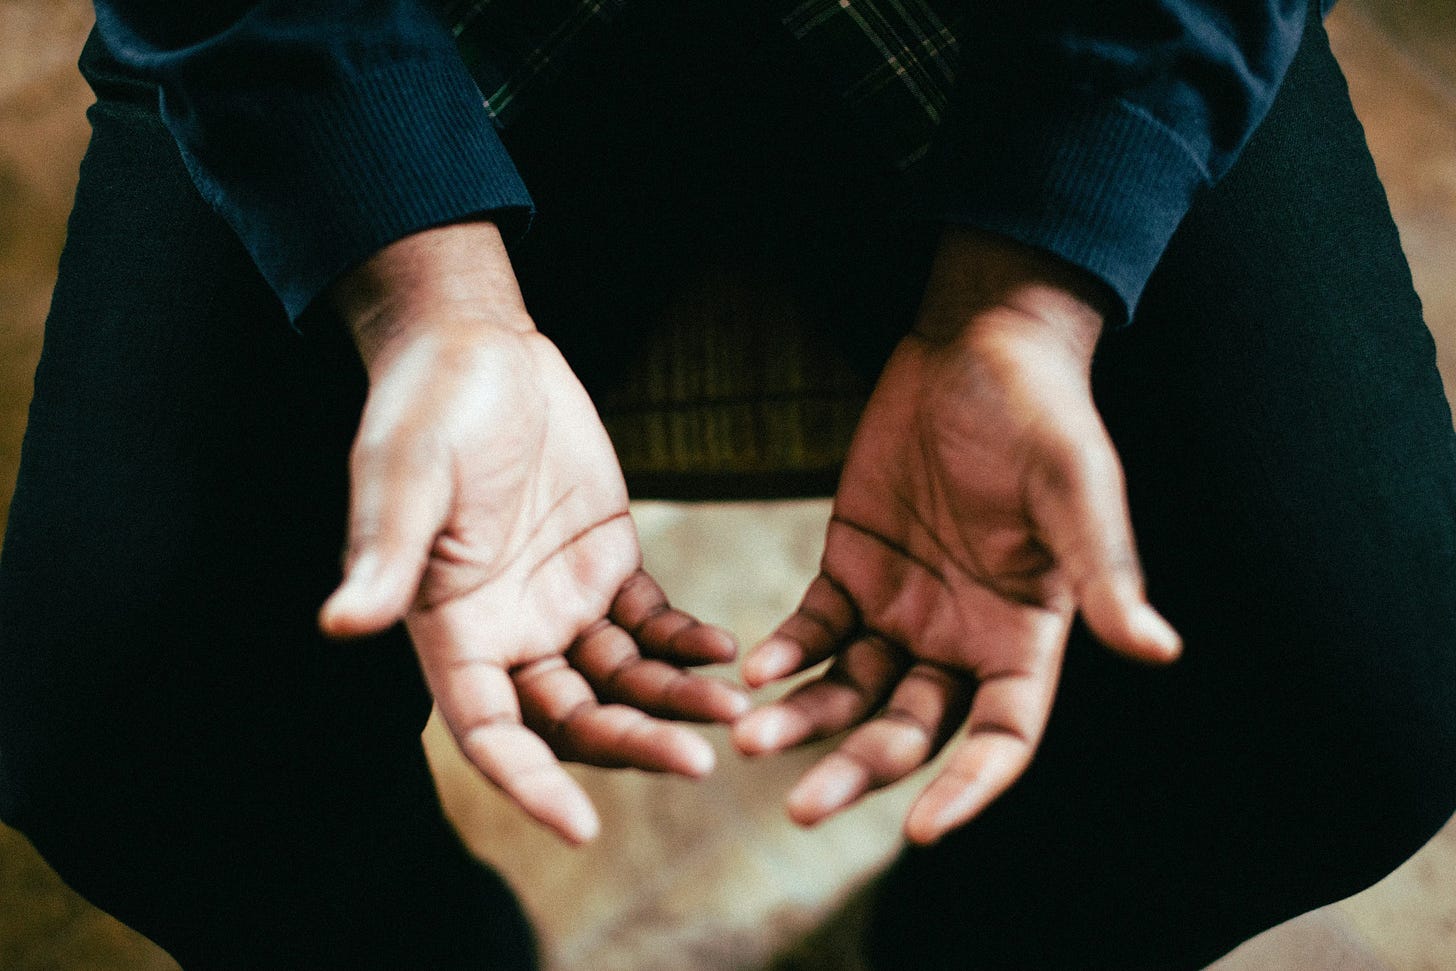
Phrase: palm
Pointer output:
(483, 462)
(949, 580)
(540, 539)
(931, 538)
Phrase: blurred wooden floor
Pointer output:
(655, 893)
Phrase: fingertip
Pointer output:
(680, 751)
(772, 659)
(700, 644)
(330, 623)
(575, 820)
(802, 815)
(373, 597)
(826, 789)
(698, 760)
(1148, 637)
(348, 613)
(933, 814)
(734, 706)
(710, 700)
(582, 832)
(919, 831)
(520, 764)
(803, 808)
(760, 732)
(1120, 617)
(720, 645)
(743, 742)
(1157, 634)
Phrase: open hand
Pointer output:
(489, 512)
(980, 508)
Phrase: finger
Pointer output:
(397, 505)
(825, 617)
(559, 705)
(479, 704)
(1079, 503)
(607, 656)
(854, 686)
(641, 608)
(1008, 714)
(925, 709)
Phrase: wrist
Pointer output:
(983, 285)
(450, 284)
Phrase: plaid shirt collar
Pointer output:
(893, 61)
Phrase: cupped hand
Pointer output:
(488, 511)
(980, 508)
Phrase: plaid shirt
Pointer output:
(893, 61)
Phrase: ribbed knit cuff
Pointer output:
(316, 180)
(1097, 182)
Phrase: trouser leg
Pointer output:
(178, 740)
(1292, 473)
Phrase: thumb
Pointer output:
(398, 503)
(1079, 503)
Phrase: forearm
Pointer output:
(322, 131)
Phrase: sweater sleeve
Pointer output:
(1086, 129)
(321, 130)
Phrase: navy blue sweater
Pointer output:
(323, 130)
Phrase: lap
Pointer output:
(182, 744)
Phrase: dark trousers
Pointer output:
(1292, 474)
(178, 740)
(188, 753)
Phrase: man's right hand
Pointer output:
(488, 511)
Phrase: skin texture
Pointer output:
(488, 512)
(980, 509)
